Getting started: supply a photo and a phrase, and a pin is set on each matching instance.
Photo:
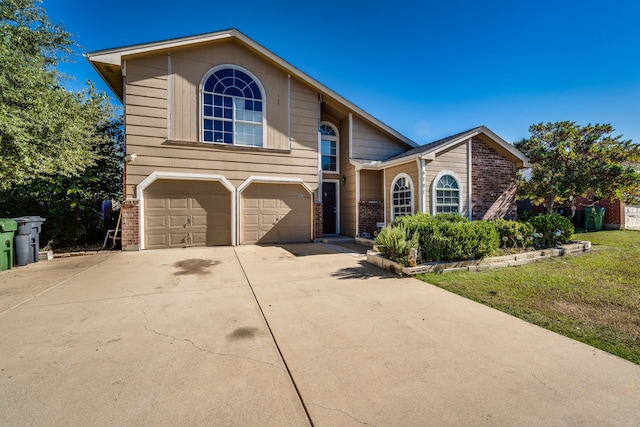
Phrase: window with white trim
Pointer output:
(232, 108)
(328, 148)
(401, 196)
(447, 195)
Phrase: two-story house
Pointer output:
(229, 144)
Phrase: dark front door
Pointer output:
(329, 208)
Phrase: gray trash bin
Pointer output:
(27, 239)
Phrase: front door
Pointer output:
(329, 208)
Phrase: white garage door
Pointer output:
(186, 213)
(275, 213)
(632, 217)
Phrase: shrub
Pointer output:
(449, 237)
(514, 234)
(551, 230)
(451, 217)
(487, 238)
(394, 243)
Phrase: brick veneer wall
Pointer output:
(370, 212)
(614, 214)
(317, 220)
(130, 225)
(493, 183)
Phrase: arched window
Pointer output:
(329, 147)
(402, 196)
(447, 195)
(232, 107)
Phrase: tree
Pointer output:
(61, 152)
(44, 128)
(569, 160)
(71, 205)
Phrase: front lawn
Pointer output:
(593, 298)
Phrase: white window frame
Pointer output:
(234, 120)
(434, 191)
(332, 138)
(412, 192)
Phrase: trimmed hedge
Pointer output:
(452, 237)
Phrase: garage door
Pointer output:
(275, 213)
(632, 217)
(186, 213)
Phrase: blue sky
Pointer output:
(428, 69)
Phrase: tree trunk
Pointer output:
(551, 199)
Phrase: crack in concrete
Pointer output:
(539, 380)
(342, 412)
(193, 344)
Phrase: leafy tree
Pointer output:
(569, 160)
(44, 128)
(60, 151)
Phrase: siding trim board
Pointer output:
(289, 109)
(182, 176)
(169, 98)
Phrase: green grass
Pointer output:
(593, 298)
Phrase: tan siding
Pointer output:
(348, 189)
(145, 65)
(371, 185)
(304, 122)
(133, 130)
(184, 104)
(371, 143)
(143, 101)
(454, 159)
(146, 110)
(150, 81)
(146, 114)
(233, 164)
(146, 104)
(146, 121)
(411, 169)
(146, 92)
(189, 67)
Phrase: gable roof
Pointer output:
(108, 64)
(429, 150)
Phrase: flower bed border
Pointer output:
(575, 247)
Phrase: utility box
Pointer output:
(593, 218)
(7, 231)
(27, 239)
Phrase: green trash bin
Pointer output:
(7, 229)
(593, 218)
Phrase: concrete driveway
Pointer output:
(282, 336)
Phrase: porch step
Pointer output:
(338, 239)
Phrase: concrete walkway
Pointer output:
(292, 335)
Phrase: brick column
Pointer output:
(370, 212)
(317, 220)
(130, 225)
